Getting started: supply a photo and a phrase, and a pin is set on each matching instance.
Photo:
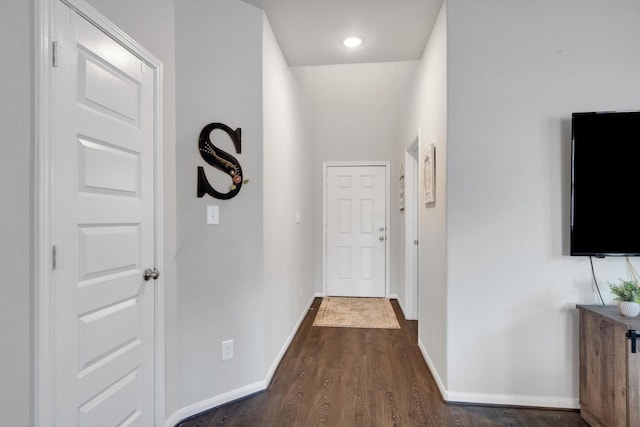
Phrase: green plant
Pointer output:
(626, 290)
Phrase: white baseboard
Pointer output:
(497, 399)
(404, 312)
(514, 400)
(393, 296)
(239, 393)
(402, 308)
(434, 372)
(447, 396)
(212, 402)
(283, 350)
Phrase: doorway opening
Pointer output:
(411, 179)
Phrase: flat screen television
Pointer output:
(605, 183)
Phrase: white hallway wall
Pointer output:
(516, 71)
(17, 213)
(288, 190)
(220, 268)
(495, 90)
(354, 110)
(250, 278)
(425, 110)
(152, 24)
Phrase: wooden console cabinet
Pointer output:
(609, 371)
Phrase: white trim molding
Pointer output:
(276, 362)
(215, 401)
(434, 371)
(239, 393)
(42, 369)
(43, 364)
(513, 400)
(455, 397)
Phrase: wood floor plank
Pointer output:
(353, 377)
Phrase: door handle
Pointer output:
(150, 273)
(381, 238)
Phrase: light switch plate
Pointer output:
(227, 350)
(213, 215)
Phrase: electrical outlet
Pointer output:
(227, 350)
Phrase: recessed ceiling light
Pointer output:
(352, 41)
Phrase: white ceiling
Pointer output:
(309, 32)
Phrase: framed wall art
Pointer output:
(429, 171)
(401, 188)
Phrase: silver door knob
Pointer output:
(150, 273)
(381, 229)
(381, 238)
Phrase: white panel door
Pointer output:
(356, 231)
(102, 229)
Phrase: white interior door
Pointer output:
(102, 229)
(356, 231)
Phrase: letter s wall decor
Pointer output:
(221, 160)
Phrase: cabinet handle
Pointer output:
(633, 336)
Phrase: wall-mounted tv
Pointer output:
(605, 183)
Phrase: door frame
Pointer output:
(387, 167)
(411, 229)
(43, 251)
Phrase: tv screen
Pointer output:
(605, 184)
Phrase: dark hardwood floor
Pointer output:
(362, 377)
